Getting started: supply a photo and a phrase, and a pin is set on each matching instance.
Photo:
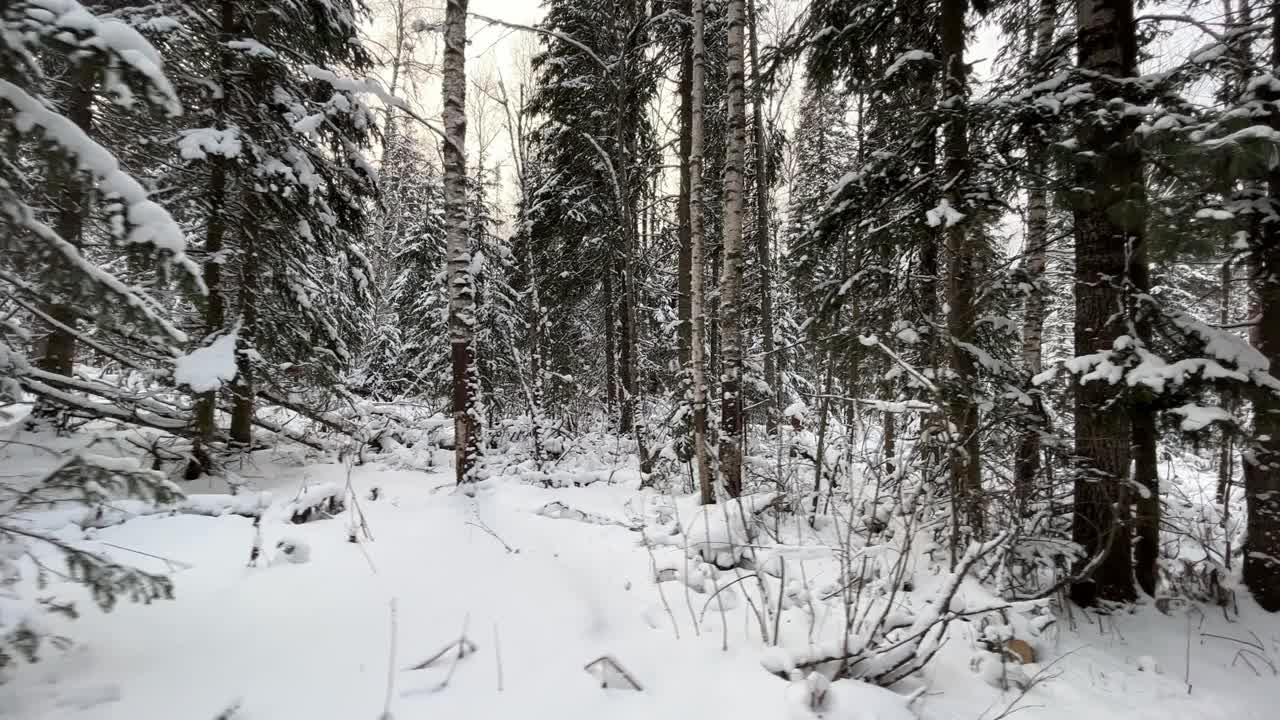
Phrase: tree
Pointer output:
(1108, 237)
(462, 317)
(1035, 251)
(697, 269)
(731, 420)
(763, 255)
(965, 265)
(1261, 569)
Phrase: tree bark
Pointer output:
(1108, 228)
(697, 261)
(731, 425)
(244, 390)
(58, 346)
(684, 303)
(772, 404)
(610, 341)
(1262, 465)
(1027, 460)
(461, 284)
(215, 311)
(964, 266)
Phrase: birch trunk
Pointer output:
(461, 284)
(1027, 461)
(731, 425)
(697, 261)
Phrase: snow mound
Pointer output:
(207, 368)
(815, 697)
(722, 533)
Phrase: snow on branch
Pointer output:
(109, 35)
(150, 224)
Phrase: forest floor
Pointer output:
(539, 598)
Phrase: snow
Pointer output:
(313, 630)
(906, 57)
(119, 39)
(943, 214)
(199, 143)
(209, 367)
(1197, 417)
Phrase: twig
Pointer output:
(478, 523)
(497, 651)
(391, 664)
(167, 561)
(465, 647)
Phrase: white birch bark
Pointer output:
(697, 261)
(461, 284)
(731, 425)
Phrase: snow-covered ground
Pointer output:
(539, 598)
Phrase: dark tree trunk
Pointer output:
(1262, 466)
(684, 301)
(763, 259)
(610, 341)
(243, 389)
(215, 311)
(1108, 218)
(964, 266)
(58, 346)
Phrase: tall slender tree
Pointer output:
(462, 317)
(697, 262)
(731, 406)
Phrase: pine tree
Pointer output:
(275, 144)
(1108, 234)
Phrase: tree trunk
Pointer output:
(1027, 460)
(215, 311)
(610, 342)
(466, 424)
(964, 266)
(731, 425)
(1108, 227)
(682, 205)
(772, 404)
(684, 303)
(697, 261)
(58, 347)
(244, 390)
(1262, 466)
